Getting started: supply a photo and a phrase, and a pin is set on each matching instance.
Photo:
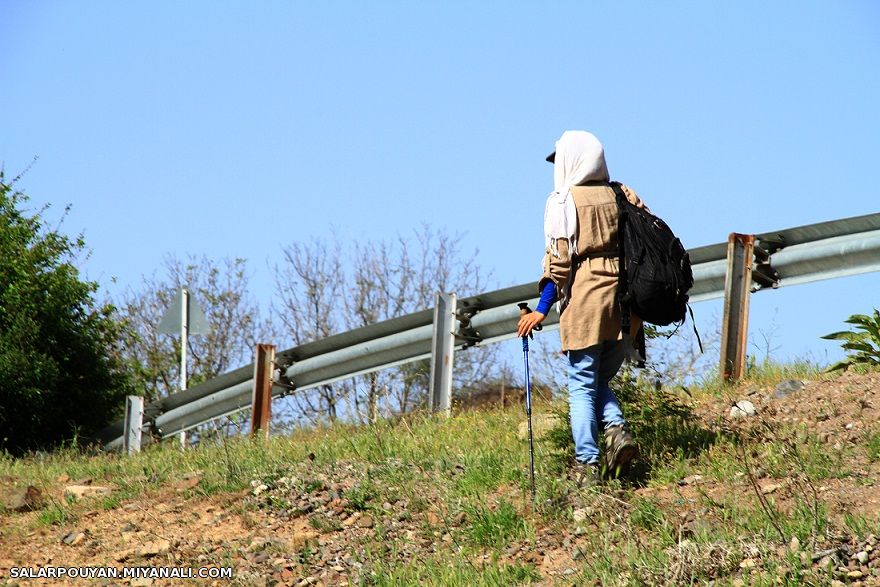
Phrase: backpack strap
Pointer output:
(622, 281)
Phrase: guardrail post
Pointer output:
(442, 353)
(134, 422)
(737, 286)
(264, 365)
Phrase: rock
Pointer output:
(189, 481)
(787, 387)
(154, 548)
(743, 409)
(433, 519)
(862, 557)
(123, 555)
(83, 491)
(74, 538)
(794, 545)
(365, 522)
(691, 480)
(23, 499)
(578, 554)
(855, 575)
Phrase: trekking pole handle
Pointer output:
(523, 310)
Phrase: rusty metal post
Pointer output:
(264, 366)
(737, 287)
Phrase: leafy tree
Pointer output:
(60, 368)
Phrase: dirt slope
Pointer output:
(274, 536)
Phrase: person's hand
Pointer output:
(527, 322)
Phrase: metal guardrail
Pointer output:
(789, 257)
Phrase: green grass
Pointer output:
(496, 527)
(873, 446)
(439, 572)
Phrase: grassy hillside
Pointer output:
(788, 496)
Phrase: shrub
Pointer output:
(59, 369)
(863, 347)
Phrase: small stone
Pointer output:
(24, 499)
(836, 583)
(862, 557)
(74, 538)
(578, 554)
(794, 545)
(855, 575)
(83, 491)
(366, 522)
(850, 426)
(433, 519)
(579, 515)
(691, 480)
(154, 548)
(787, 387)
(743, 409)
(123, 555)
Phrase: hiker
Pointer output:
(581, 272)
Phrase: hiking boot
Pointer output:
(620, 449)
(586, 474)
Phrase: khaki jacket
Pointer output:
(592, 314)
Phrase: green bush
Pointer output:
(863, 348)
(59, 369)
(664, 426)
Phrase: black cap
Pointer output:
(551, 157)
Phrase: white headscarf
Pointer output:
(580, 158)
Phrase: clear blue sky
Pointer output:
(235, 128)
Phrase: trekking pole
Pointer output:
(523, 310)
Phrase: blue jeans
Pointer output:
(589, 397)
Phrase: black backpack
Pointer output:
(655, 270)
